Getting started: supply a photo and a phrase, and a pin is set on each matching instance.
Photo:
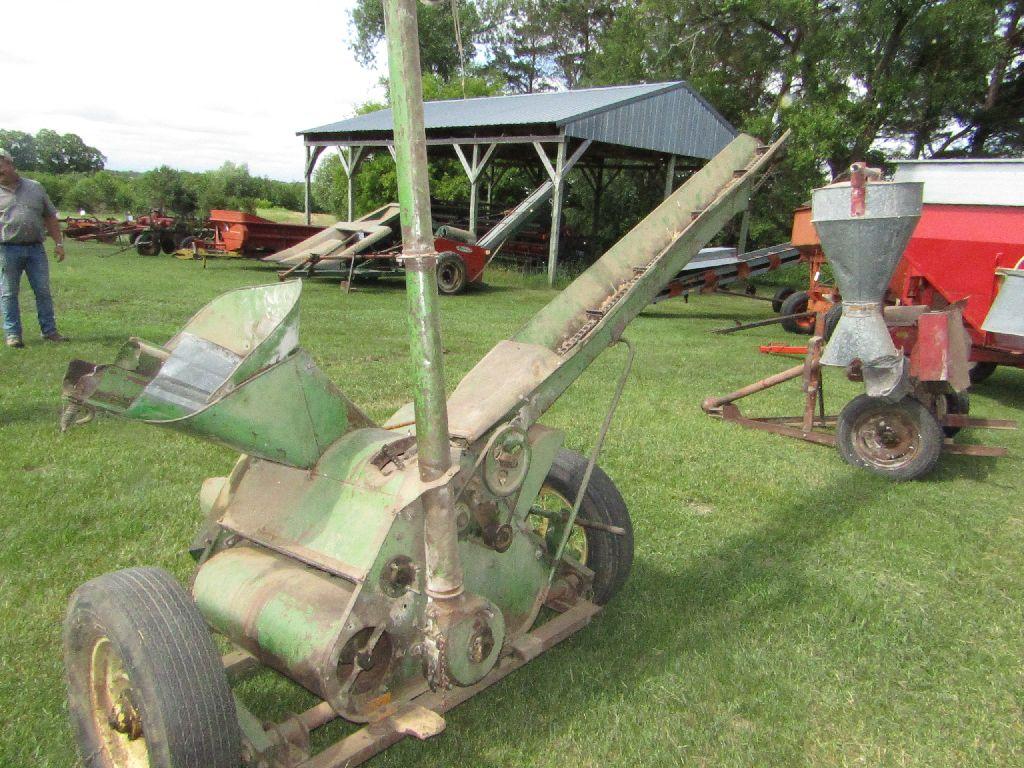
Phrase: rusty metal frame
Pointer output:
(286, 744)
(809, 426)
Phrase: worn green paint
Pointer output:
(417, 238)
(307, 414)
(444, 572)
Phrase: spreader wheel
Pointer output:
(146, 686)
(832, 318)
(978, 372)
(168, 243)
(780, 296)
(451, 274)
(958, 403)
(147, 244)
(609, 555)
(901, 440)
(794, 305)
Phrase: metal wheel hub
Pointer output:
(116, 717)
(888, 438)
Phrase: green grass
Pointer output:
(785, 609)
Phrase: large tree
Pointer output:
(22, 147)
(439, 52)
(854, 79)
(66, 153)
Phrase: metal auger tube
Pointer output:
(443, 567)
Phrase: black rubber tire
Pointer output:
(956, 402)
(794, 304)
(168, 243)
(178, 685)
(981, 371)
(132, 237)
(921, 460)
(147, 244)
(832, 317)
(609, 555)
(452, 275)
(780, 296)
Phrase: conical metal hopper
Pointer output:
(864, 249)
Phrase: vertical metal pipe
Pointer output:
(306, 171)
(741, 244)
(556, 213)
(474, 187)
(444, 570)
(670, 176)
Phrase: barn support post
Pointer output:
(306, 189)
(741, 245)
(312, 155)
(474, 168)
(670, 176)
(350, 162)
(557, 173)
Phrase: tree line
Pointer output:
(51, 152)
(855, 80)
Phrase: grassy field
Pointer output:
(784, 609)
(285, 216)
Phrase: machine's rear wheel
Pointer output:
(978, 372)
(959, 403)
(452, 275)
(780, 296)
(901, 440)
(793, 305)
(609, 555)
(146, 687)
(832, 318)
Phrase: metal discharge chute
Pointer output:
(393, 571)
(864, 228)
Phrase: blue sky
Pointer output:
(233, 80)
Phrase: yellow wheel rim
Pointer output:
(552, 502)
(117, 720)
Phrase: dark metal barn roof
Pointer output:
(661, 117)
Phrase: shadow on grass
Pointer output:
(40, 412)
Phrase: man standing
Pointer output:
(26, 215)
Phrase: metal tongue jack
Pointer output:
(864, 226)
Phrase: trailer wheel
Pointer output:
(901, 440)
(168, 243)
(146, 686)
(980, 371)
(609, 555)
(794, 304)
(956, 402)
(832, 318)
(451, 274)
(780, 296)
(147, 244)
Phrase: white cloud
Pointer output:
(189, 84)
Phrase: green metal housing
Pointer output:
(315, 554)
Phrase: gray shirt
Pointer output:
(22, 211)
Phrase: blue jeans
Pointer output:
(30, 259)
